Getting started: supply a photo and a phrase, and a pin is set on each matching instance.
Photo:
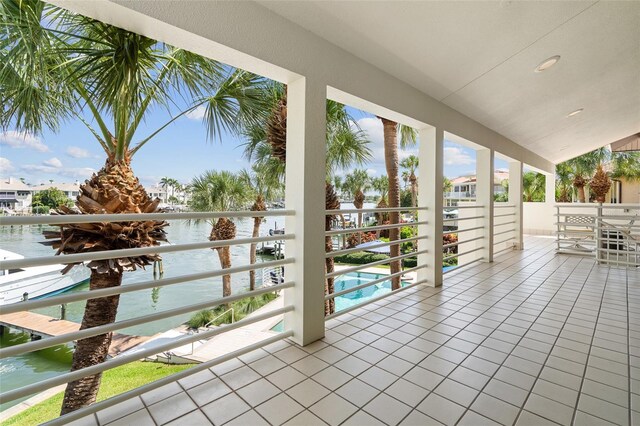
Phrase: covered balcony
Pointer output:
(520, 330)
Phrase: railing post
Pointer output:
(515, 198)
(484, 197)
(430, 194)
(305, 193)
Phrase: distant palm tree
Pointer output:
(165, 182)
(533, 187)
(582, 168)
(347, 145)
(221, 191)
(564, 182)
(356, 183)
(58, 66)
(265, 187)
(408, 136)
(411, 165)
(447, 185)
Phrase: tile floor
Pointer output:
(532, 339)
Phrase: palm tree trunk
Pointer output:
(414, 194)
(92, 350)
(582, 198)
(252, 252)
(329, 305)
(391, 163)
(224, 253)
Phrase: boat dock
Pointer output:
(42, 326)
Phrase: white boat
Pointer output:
(17, 285)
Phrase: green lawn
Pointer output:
(115, 381)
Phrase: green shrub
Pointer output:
(360, 258)
(241, 308)
(200, 319)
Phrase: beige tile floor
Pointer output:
(531, 339)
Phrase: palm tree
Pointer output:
(564, 182)
(533, 187)
(582, 168)
(346, 145)
(58, 66)
(447, 185)
(356, 183)
(165, 182)
(408, 136)
(411, 165)
(221, 191)
(265, 186)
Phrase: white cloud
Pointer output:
(196, 114)
(16, 139)
(6, 166)
(454, 156)
(77, 152)
(53, 162)
(74, 173)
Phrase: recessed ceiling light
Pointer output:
(547, 63)
(576, 112)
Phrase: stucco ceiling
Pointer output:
(479, 58)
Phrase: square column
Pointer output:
(484, 197)
(430, 176)
(515, 198)
(305, 193)
(550, 189)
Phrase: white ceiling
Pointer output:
(478, 57)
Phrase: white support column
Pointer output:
(515, 198)
(430, 173)
(305, 193)
(550, 189)
(484, 197)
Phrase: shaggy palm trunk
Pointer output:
(358, 202)
(600, 184)
(92, 350)
(391, 163)
(113, 190)
(414, 190)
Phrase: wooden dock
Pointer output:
(42, 326)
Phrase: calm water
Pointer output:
(29, 368)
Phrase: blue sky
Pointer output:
(181, 151)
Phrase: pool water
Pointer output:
(354, 279)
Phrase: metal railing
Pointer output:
(504, 227)
(384, 277)
(465, 224)
(608, 232)
(141, 352)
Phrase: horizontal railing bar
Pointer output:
(374, 210)
(595, 206)
(495, 234)
(132, 252)
(118, 325)
(462, 207)
(372, 246)
(453, 256)
(619, 252)
(461, 266)
(144, 285)
(446, 246)
(595, 216)
(377, 262)
(374, 282)
(462, 230)
(504, 215)
(372, 228)
(133, 217)
(374, 299)
(503, 206)
(504, 241)
(506, 223)
(577, 225)
(117, 399)
(463, 218)
(125, 359)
